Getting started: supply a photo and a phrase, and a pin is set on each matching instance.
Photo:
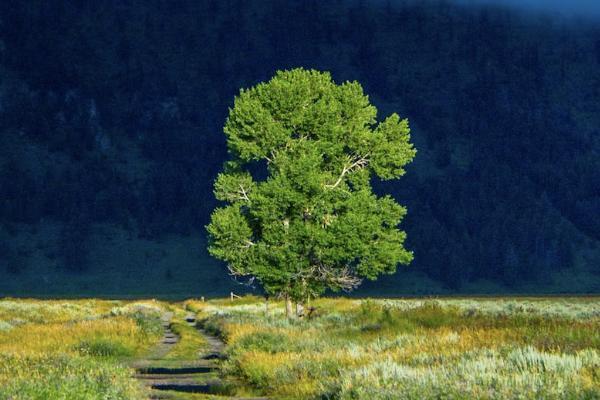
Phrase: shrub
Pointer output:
(269, 342)
(103, 348)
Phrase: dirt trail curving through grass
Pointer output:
(172, 376)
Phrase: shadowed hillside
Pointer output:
(111, 135)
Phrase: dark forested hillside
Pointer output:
(111, 118)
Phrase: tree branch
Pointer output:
(343, 278)
(243, 194)
(356, 162)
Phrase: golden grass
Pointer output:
(73, 349)
(417, 349)
(60, 337)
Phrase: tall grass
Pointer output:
(415, 349)
(64, 376)
(73, 349)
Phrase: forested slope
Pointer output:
(111, 134)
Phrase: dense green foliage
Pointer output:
(314, 223)
(111, 114)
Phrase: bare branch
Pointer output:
(271, 158)
(243, 194)
(233, 272)
(342, 278)
(356, 162)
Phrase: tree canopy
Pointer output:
(314, 223)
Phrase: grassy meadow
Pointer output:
(414, 349)
(496, 348)
(74, 349)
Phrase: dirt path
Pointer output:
(184, 379)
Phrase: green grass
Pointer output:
(486, 348)
(62, 376)
(415, 349)
(74, 349)
(100, 347)
(191, 343)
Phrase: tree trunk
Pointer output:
(299, 310)
(267, 307)
(288, 307)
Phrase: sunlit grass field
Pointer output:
(499, 348)
(74, 349)
(414, 349)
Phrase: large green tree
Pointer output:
(314, 222)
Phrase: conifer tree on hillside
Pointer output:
(314, 223)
